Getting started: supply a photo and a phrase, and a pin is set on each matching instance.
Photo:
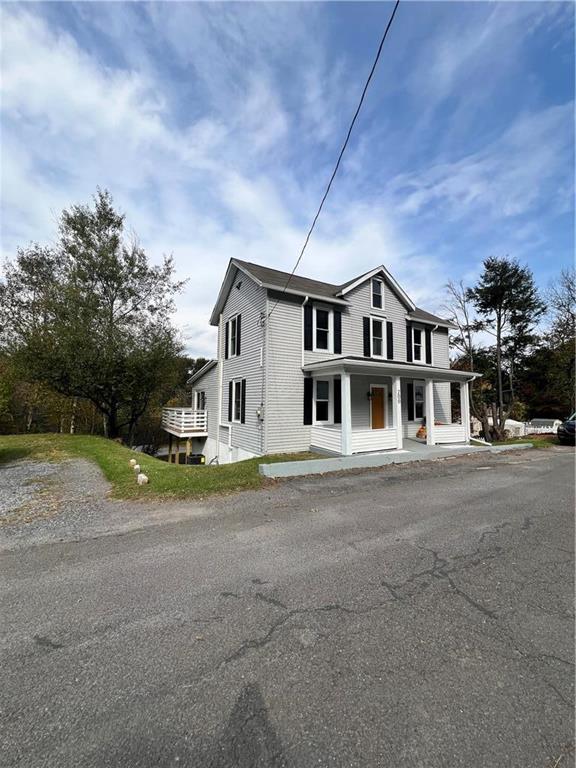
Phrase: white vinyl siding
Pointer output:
(284, 417)
(249, 301)
(360, 300)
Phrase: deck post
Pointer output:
(177, 451)
(188, 448)
(465, 409)
(430, 412)
(346, 425)
(169, 447)
(397, 410)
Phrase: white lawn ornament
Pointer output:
(133, 462)
(136, 468)
(142, 479)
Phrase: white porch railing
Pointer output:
(329, 438)
(373, 440)
(326, 438)
(449, 433)
(185, 422)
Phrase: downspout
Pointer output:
(220, 377)
(302, 339)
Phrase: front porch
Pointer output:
(382, 406)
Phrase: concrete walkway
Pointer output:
(412, 451)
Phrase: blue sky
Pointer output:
(216, 125)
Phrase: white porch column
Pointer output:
(346, 415)
(397, 410)
(465, 409)
(430, 412)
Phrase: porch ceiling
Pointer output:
(360, 365)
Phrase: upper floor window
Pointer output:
(421, 346)
(200, 400)
(417, 343)
(377, 294)
(377, 337)
(234, 336)
(323, 324)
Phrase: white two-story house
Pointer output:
(337, 369)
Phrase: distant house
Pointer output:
(340, 369)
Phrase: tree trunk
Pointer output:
(73, 416)
(499, 422)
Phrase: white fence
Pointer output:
(185, 422)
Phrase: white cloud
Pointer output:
(509, 177)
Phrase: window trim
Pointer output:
(372, 281)
(382, 320)
(236, 383)
(330, 420)
(323, 308)
(233, 319)
(418, 383)
(423, 347)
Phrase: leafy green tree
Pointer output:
(90, 317)
(507, 301)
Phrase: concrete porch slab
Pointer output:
(381, 459)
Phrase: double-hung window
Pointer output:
(377, 294)
(322, 401)
(377, 337)
(237, 401)
(323, 323)
(233, 337)
(418, 401)
(418, 344)
(200, 400)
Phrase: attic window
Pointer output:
(377, 294)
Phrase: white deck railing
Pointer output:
(184, 422)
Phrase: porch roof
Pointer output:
(369, 366)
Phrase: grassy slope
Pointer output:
(166, 480)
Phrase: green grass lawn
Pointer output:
(166, 480)
(538, 441)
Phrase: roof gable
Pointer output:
(381, 270)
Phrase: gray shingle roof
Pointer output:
(277, 278)
(305, 285)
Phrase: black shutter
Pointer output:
(238, 333)
(226, 341)
(337, 401)
(428, 334)
(308, 327)
(308, 397)
(389, 341)
(337, 332)
(410, 398)
(409, 342)
(366, 321)
(230, 393)
(243, 402)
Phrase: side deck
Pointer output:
(185, 422)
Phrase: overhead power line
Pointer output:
(346, 140)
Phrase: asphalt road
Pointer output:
(419, 615)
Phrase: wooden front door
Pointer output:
(378, 406)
